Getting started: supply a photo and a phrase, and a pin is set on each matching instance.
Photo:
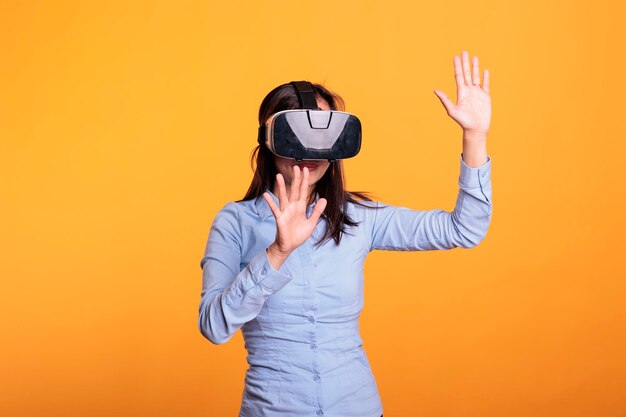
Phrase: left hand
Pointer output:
(473, 108)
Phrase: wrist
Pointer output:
(276, 251)
(275, 256)
(475, 135)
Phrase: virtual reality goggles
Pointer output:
(311, 133)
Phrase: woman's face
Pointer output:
(316, 168)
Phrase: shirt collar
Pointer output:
(264, 210)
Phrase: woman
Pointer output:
(285, 263)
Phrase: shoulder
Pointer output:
(227, 219)
(365, 206)
(243, 214)
(234, 218)
(370, 212)
(363, 210)
(237, 208)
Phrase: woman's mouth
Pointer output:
(310, 166)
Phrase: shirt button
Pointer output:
(313, 346)
(316, 377)
(311, 319)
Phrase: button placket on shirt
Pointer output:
(310, 309)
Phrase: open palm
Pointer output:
(293, 228)
(473, 108)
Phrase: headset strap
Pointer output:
(306, 94)
(261, 134)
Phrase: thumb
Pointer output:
(449, 106)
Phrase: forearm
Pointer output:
(474, 148)
(229, 302)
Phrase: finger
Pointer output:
(458, 72)
(295, 184)
(449, 106)
(272, 204)
(475, 71)
(282, 192)
(486, 81)
(318, 209)
(304, 187)
(466, 68)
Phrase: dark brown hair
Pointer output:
(330, 186)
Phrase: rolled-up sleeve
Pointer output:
(231, 297)
(404, 229)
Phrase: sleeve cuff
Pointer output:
(474, 177)
(265, 275)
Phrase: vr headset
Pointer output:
(311, 133)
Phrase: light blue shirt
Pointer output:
(301, 323)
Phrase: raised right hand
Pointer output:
(292, 226)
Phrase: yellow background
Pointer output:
(125, 127)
